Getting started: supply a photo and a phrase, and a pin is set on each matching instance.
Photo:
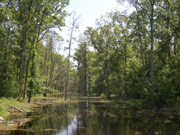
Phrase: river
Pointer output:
(96, 118)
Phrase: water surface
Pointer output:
(86, 118)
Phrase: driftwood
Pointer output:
(15, 109)
(2, 120)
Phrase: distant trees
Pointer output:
(100, 39)
(83, 69)
(139, 51)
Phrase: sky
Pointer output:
(89, 11)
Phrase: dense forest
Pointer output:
(127, 56)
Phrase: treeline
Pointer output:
(127, 56)
(135, 56)
(28, 65)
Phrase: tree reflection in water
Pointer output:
(85, 118)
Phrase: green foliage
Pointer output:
(122, 44)
(23, 25)
(118, 64)
(33, 87)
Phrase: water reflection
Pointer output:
(72, 127)
(85, 118)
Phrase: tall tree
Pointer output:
(73, 27)
(101, 39)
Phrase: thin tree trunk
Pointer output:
(168, 40)
(17, 70)
(125, 73)
(89, 85)
(27, 68)
(24, 43)
(69, 55)
(125, 66)
(5, 54)
(152, 50)
(68, 68)
(23, 55)
(26, 78)
(106, 69)
(51, 66)
(145, 50)
(107, 80)
(85, 74)
(174, 47)
(142, 55)
(45, 60)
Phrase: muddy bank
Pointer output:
(16, 117)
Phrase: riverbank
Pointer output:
(136, 104)
(13, 113)
(83, 114)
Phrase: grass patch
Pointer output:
(49, 100)
(42, 97)
(5, 103)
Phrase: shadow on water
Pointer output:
(87, 118)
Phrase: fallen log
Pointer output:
(15, 109)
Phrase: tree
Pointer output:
(81, 57)
(72, 28)
(25, 23)
(101, 40)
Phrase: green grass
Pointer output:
(50, 99)
(42, 97)
(6, 102)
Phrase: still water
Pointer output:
(87, 118)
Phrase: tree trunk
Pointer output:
(174, 47)
(106, 69)
(69, 54)
(68, 68)
(89, 85)
(125, 73)
(107, 79)
(168, 40)
(17, 70)
(142, 59)
(27, 71)
(24, 43)
(142, 52)
(23, 55)
(27, 66)
(85, 74)
(152, 50)
(52, 64)
(45, 60)
(125, 66)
